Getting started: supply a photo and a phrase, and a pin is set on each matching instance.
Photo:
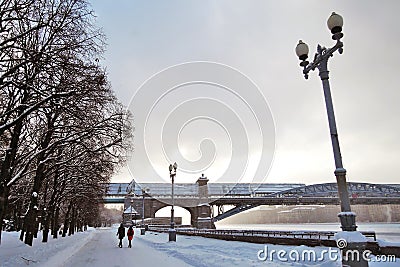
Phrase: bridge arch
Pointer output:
(183, 212)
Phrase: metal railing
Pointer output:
(320, 235)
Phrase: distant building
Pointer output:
(130, 216)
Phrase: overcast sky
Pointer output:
(221, 128)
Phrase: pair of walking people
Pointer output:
(121, 235)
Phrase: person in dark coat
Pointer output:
(130, 234)
(121, 234)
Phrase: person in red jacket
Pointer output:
(130, 236)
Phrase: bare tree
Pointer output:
(58, 111)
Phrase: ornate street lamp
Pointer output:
(320, 62)
(335, 24)
(172, 173)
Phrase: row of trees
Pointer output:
(62, 131)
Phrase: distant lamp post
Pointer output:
(144, 192)
(131, 211)
(172, 173)
(335, 24)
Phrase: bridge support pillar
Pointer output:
(204, 220)
(203, 209)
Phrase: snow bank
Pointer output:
(383, 243)
(350, 237)
(13, 252)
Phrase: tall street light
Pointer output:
(143, 229)
(172, 231)
(132, 211)
(347, 218)
(335, 24)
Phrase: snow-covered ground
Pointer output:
(98, 247)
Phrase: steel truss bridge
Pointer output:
(245, 196)
(315, 194)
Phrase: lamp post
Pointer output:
(347, 218)
(131, 211)
(335, 24)
(172, 231)
(143, 229)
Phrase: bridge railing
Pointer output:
(260, 233)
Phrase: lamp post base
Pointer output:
(142, 231)
(355, 255)
(353, 248)
(347, 221)
(172, 235)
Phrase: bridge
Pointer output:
(202, 198)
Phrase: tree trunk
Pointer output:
(37, 183)
(55, 222)
(66, 220)
(30, 221)
(3, 206)
(72, 226)
(5, 173)
(51, 220)
(21, 236)
(7, 164)
(53, 210)
(45, 226)
(45, 216)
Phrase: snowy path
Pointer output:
(102, 250)
(98, 247)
